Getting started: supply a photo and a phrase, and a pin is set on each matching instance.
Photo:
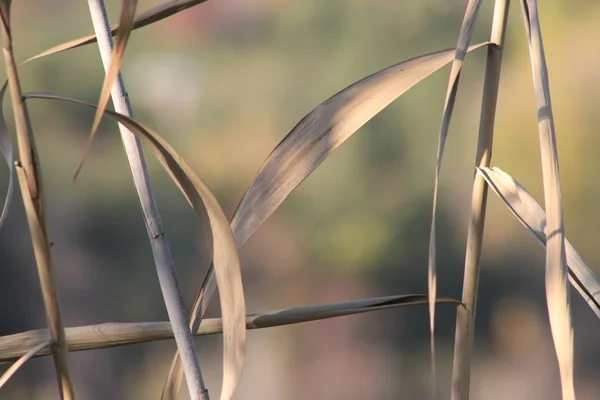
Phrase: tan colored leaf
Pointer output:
(557, 290)
(225, 254)
(532, 216)
(117, 334)
(311, 141)
(155, 14)
(7, 150)
(24, 358)
(126, 26)
(464, 38)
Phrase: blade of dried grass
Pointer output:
(309, 143)
(225, 254)
(532, 216)
(117, 334)
(464, 38)
(28, 174)
(557, 290)
(8, 152)
(155, 14)
(465, 317)
(126, 23)
(163, 260)
(24, 358)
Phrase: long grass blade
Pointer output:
(28, 174)
(126, 26)
(557, 290)
(8, 152)
(225, 254)
(117, 334)
(155, 14)
(532, 216)
(309, 143)
(464, 38)
(465, 317)
(23, 359)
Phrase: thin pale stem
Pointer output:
(160, 247)
(21, 361)
(465, 317)
(109, 334)
(27, 168)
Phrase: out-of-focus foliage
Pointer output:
(224, 82)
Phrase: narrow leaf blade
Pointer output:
(155, 14)
(466, 32)
(8, 152)
(126, 26)
(528, 211)
(557, 290)
(118, 334)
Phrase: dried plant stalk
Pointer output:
(28, 174)
(465, 317)
(158, 240)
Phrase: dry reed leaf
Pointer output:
(24, 358)
(557, 290)
(464, 38)
(8, 152)
(126, 26)
(118, 334)
(155, 14)
(225, 254)
(309, 143)
(532, 216)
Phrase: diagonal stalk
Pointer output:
(465, 317)
(160, 247)
(28, 174)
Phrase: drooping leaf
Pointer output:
(464, 38)
(155, 14)
(7, 150)
(309, 143)
(118, 334)
(557, 289)
(126, 26)
(225, 254)
(24, 358)
(532, 216)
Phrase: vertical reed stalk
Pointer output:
(465, 318)
(28, 174)
(160, 247)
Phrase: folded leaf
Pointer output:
(532, 216)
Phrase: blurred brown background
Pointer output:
(224, 82)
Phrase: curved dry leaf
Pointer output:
(532, 216)
(7, 150)
(464, 38)
(309, 143)
(155, 14)
(318, 134)
(24, 358)
(126, 26)
(557, 290)
(225, 254)
(118, 334)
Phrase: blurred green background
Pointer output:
(224, 82)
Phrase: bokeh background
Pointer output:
(224, 82)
